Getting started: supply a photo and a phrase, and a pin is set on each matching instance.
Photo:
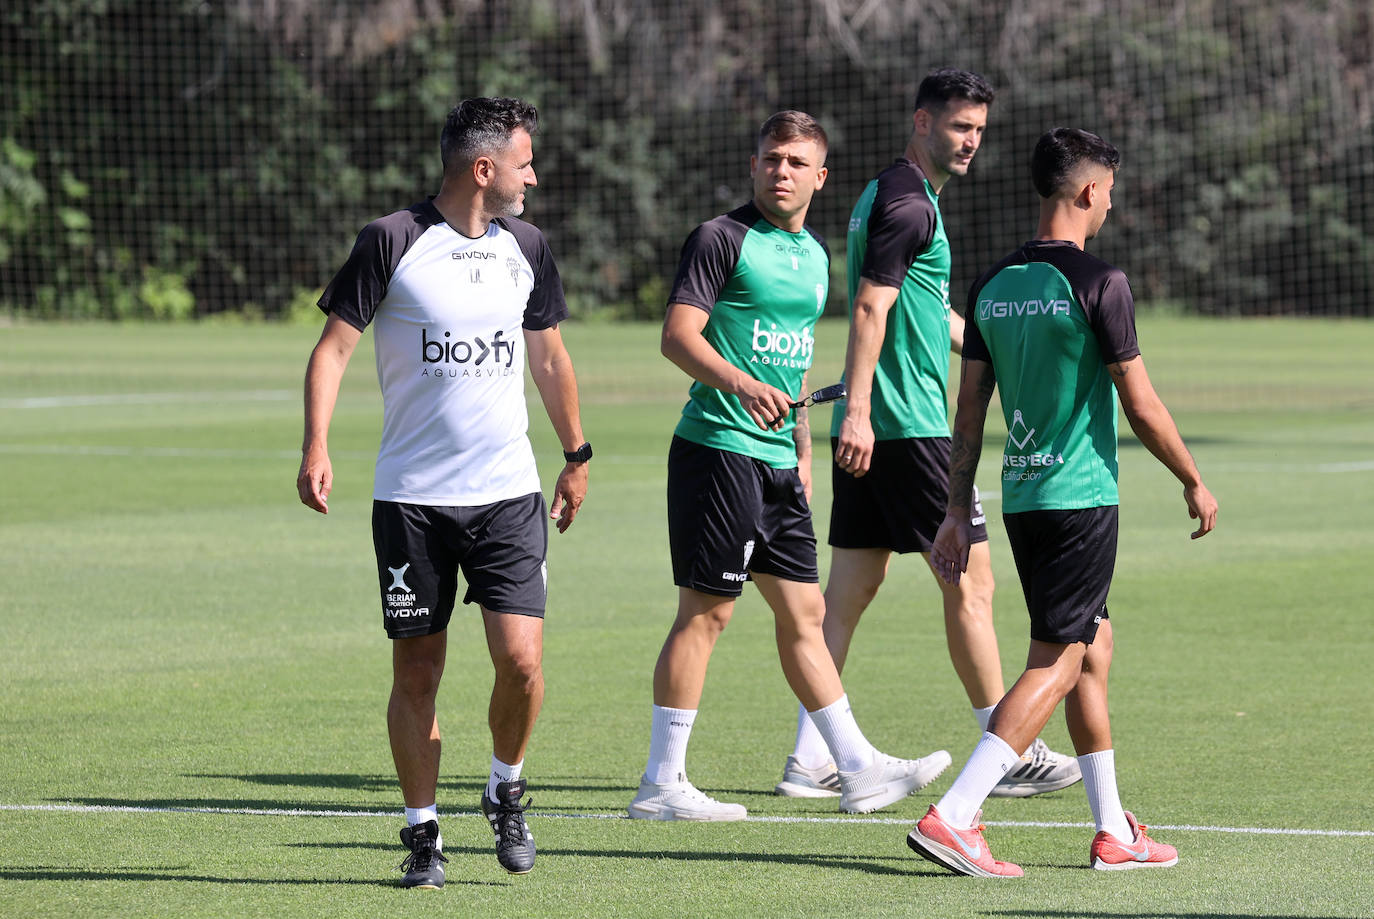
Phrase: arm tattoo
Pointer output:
(963, 464)
(966, 447)
(801, 431)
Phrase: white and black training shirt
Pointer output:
(447, 313)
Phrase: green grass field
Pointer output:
(190, 656)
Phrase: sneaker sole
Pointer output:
(640, 812)
(1100, 865)
(794, 790)
(1027, 789)
(894, 791)
(405, 886)
(946, 857)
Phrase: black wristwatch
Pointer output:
(580, 455)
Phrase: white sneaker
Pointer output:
(680, 800)
(1040, 770)
(889, 779)
(800, 782)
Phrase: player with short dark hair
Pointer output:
(1052, 329)
(749, 289)
(461, 296)
(891, 436)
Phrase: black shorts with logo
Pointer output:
(1065, 559)
(900, 502)
(729, 515)
(500, 549)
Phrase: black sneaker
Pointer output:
(424, 866)
(514, 841)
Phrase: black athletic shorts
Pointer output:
(500, 549)
(1065, 560)
(729, 515)
(900, 502)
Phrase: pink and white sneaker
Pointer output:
(961, 851)
(1111, 854)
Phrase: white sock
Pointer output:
(502, 772)
(847, 744)
(810, 751)
(1099, 781)
(668, 744)
(990, 760)
(416, 815)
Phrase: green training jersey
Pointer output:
(897, 239)
(1050, 318)
(764, 289)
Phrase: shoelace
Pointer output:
(420, 858)
(1039, 752)
(510, 821)
(697, 795)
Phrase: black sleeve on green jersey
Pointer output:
(1105, 295)
(547, 306)
(359, 286)
(1113, 320)
(901, 225)
(975, 349)
(709, 257)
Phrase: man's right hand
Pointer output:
(854, 453)
(767, 405)
(314, 481)
(1202, 507)
(949, 553)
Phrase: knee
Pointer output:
(522, 667)
(1061, 666)
(417, 679)
(976, 587)
(1098, 659)
(804, 620)
(847, 602)
(707, 623)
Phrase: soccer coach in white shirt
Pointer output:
(460, 295)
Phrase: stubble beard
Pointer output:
(503, 205)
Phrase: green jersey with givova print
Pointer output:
(764, 289)
(897, 239)
(1050, 351)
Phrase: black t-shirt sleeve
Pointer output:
(901, 226)
(1112, 317)
(547, 305)
(708, 259)
(975, 349)
(360, 285)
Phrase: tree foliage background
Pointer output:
(173, 158)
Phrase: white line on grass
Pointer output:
(233, 453)
(1295, 468)
(149, 398)
(878, 821)
(166, 452)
